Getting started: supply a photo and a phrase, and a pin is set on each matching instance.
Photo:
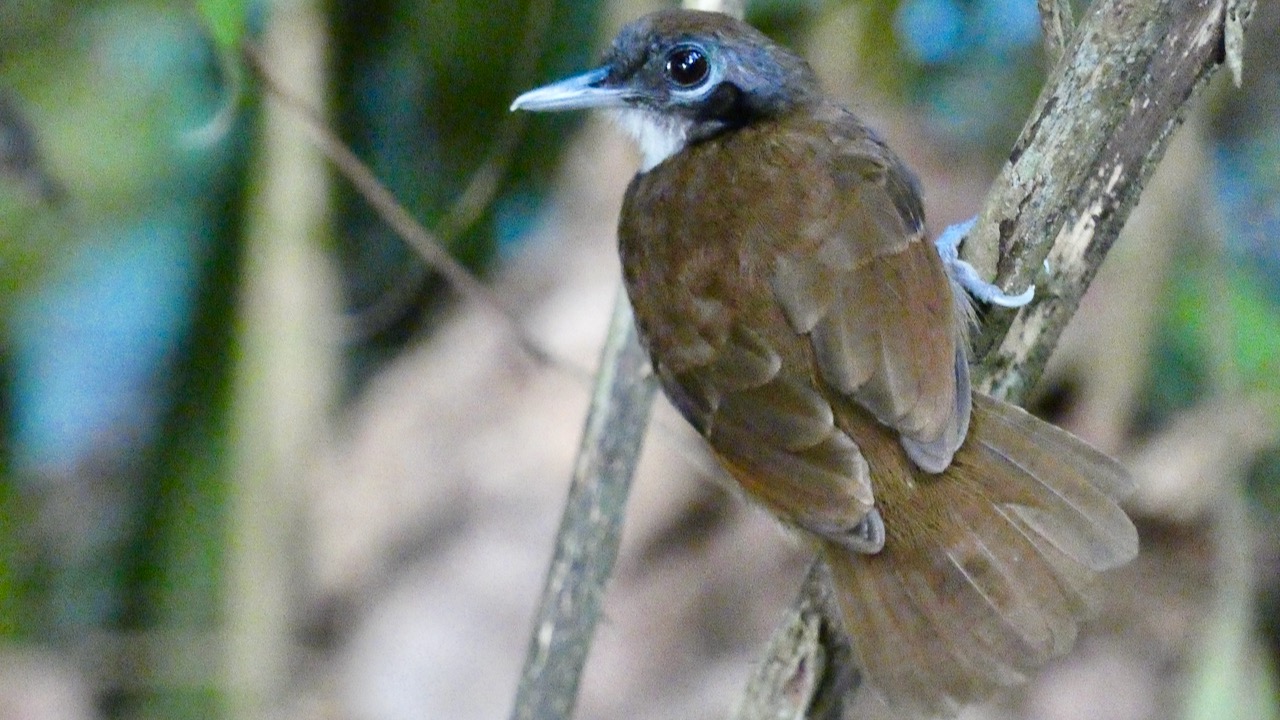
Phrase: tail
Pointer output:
(988, 568)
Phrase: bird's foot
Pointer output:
(948, 244)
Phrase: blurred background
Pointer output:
(259, 461)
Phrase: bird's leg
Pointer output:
(948, 244)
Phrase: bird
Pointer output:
(776, 258)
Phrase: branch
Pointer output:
(808, 669)
(1099, 128)
(1096, 134)
(591, 528)
(1055, 26)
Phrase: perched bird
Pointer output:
(775, 255)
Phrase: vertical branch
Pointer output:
(587, 542)
(808, 669)
(285, 373)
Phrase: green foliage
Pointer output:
(1231, 678)
(114, 94)
(174, 574)
(1222, 320)
(421, 92)
(878, 45)
(226, 20)
(15, 595)
(119, 95)
(786, 21)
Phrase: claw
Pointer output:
(867, 537)
(948, 244)
(1001, 298)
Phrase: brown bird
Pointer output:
(775, 255)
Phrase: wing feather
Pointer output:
(874, 299)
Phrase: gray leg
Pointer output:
(948, 244)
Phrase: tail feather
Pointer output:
(1042, 446)
(1073, 487)
(993, 581)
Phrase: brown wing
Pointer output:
(871, 293)
(724, 353)
(776, 435)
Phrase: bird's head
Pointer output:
(680, 76)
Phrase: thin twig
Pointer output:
(477, 194)
(427, 245)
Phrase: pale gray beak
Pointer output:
(577, 92)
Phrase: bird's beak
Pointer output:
(580, 91)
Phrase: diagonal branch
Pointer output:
(428, 245)
(1098, 130)
(1096, 134)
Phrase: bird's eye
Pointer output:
(687, 66)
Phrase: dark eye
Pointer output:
(687, 66)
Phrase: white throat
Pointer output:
(659, 136)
